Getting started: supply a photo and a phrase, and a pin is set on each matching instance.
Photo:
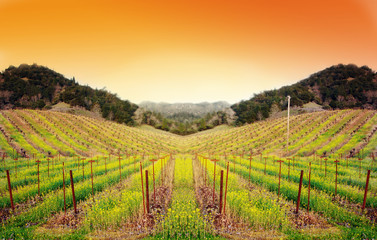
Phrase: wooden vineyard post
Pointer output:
(289, 168)
(325, 166)
(142, 185)
(336, 176)
(147, 189)
(310, 171)
(65, 205)
(120, 169)
(154, 187)
(226, 185)
(78, 163)
(214, 180)
(221, 190)
(279, 161)
(73, 191)
(265, 165)
(91, 175)
(38, 175)
(366, 191)
(250, 168)
(299, 191)
(10, 191)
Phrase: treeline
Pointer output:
(34, 86)
(183, 123)
(337, 87)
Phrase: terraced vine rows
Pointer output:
(182, 178)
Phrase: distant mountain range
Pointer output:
(197, 109)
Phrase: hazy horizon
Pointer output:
(188, 52)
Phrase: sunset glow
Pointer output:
(188, 51)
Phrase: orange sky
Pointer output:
(188, 50)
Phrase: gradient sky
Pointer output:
(188, 50)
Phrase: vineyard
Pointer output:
(65, 176)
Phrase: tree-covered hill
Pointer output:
(336, 87)
(37, 87)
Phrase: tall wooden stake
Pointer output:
(366, 191)
(147, 189)
(299, 191)
(10, 191)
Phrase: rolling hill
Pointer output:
(337, 87)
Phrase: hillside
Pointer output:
(336, 87)
(325, 132)
(37, 87)
(79, 177)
